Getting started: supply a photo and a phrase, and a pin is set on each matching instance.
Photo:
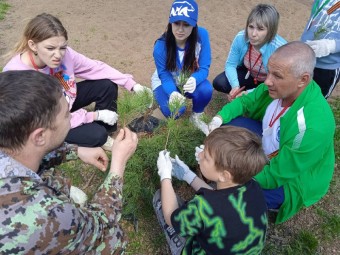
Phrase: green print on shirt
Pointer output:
(254, 232)
(198, 212)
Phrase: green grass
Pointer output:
(3, 9)
(141, 181)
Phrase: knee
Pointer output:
(98, 137)
(110, 87)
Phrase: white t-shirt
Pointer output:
(271, 135)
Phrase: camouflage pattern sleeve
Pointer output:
(60, 155)
(38, 217)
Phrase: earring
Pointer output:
(35, 53)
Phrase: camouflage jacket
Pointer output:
(38, 217)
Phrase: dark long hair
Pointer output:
(190, 63)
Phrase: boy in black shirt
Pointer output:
(229, 220)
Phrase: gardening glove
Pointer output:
(107, 116)
(176, 97)
(164, 165)
(190, 85)
(140, 88)
(181, 171)
(78, 196)
(198, 150)
(214, 123)
(322, 47)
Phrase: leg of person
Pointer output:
(221, 83)
(241, 74)
(103, 92)
(201, 96)
(175, 241)
(87, 135)
(253, 125)
(274, 198)
(163, 101)
(326, 79)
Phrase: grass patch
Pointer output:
(3, 9)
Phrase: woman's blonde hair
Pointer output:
(38, 29)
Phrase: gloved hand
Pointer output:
(140, 88)
(164, 165)
(190, 85)
(107, 116)
(198, 150)
(214, 123)
(181, 171)
(322, 47)
(176, 97)
(78, 196)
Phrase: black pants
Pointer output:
(222, 84)
(326, 79)
(104, 93)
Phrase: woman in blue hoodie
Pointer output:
(182, 57)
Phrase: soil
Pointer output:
(122, 33)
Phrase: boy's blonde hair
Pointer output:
(236, 150)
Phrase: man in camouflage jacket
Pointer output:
(37, 215)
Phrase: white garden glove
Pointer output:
(78, 196)
(198, 150)
(322, 47)
(164, 165)
(181, 171)
(214, 123)
(107, 116)
(176, 97)
(190, 85)
(140, 88)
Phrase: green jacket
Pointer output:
(305, 163)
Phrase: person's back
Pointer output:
(225, 221)
(231, 219)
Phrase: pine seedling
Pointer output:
(182, 78)
(130, 105)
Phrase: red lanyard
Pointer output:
(35, 65)
(251, 68)
(271, 123)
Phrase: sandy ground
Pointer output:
(122, 33)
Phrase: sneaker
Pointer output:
(78, 196)
(108, 145)
(195, 118)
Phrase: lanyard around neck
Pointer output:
(34, 64)
(273, 120)
(251, 67)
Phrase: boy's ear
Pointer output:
(225, 176)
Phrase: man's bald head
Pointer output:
(298, 55)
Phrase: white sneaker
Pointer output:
(78, 196)
(108, 145)
(195, 118)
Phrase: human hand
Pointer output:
(176, 97)
(107, 116)
(233, 92)
(164, 165)
(198, 150)
(190, 85)
(181, 171)
(122, 149)
(78, 196)
(94, 156)
(140, 89)
(214, 123)
(322, 47)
